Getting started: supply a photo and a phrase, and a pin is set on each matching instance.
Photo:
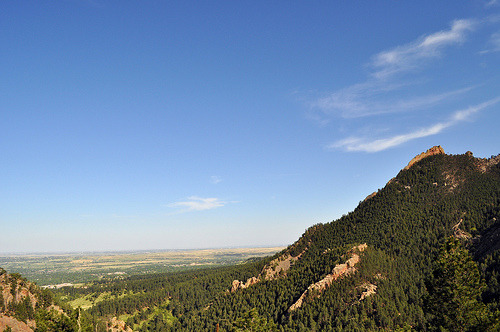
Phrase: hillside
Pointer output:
(25, 307)
(419, 254)
(404, 225)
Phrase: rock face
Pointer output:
(14, 324)
(17, 295)
(18, 287)
(460, 234)
(435, 150)
(373, 194)
(339, 271)
(485, 164)
(278, 267)
(117, 325)
(14, 290)
(275, 269)
(370, 289)
(242, 285)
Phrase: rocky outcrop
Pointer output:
(339, 271)
(242, 285)
(453, 178)
(460, 234)
(278, 267)
(14, 324)
(370, 289)
(13, 290)
(117, 325)
(485, 164)
(275, 269)
(435, 150)
(373, 194)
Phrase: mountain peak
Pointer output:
(435, 150)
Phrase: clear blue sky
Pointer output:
(191, 124)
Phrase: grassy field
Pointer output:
(52, 269)
(90, 300)
(149, 314)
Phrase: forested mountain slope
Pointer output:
(404, 225)
(420, 254)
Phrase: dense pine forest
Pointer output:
(421, 254)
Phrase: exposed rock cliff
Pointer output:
(484, 164)
(22, 304)
(13, 291)
(373, 194)
(117, 325)
(460, 234)
(435, 150)
(242, 285)
(370, 289)
(339, 271)
(275, 269)
(278, 266)
(14, 324)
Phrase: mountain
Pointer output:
(420, 254)
(373, 268)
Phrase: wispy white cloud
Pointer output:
(214, 179)
(389, 89)
(366, 99)
(195, 203)
(410, 56)
(493, 44)
(377, 94)
(369, 145)
(364, 144)
(492, 3)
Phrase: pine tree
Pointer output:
(252, 321)
(454, 291)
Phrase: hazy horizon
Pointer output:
(62, 253)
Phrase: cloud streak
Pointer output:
(195, 203)
(214, 179)
(410, 56)
(367, 145)
(492, 3)
(362, 100)
(494, 44)
(389, 89)
(376, 95)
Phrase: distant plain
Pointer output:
(74, 268)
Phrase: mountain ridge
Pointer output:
(447, 177)
(435, 150)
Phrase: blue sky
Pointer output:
(192, 124)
